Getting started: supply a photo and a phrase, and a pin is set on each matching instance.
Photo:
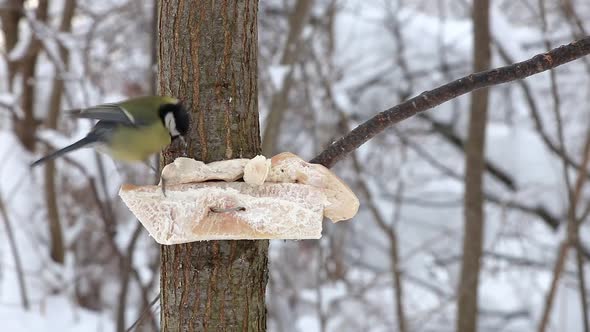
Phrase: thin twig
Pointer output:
(535, 114)
(126, 268)
(582, 285)
(452, 137)
(144, 313)
(572, 240)
(574, 227)
(557, 270)
(104, 216)
(17, 263)
(539, 211)
(391, 234)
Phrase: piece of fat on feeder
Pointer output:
(281, 198)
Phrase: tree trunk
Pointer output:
(57, 250)
(280, 99)
(27, 126)
(208, 57)
(474, 170)
(10, 15)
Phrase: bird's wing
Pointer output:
(106, 112)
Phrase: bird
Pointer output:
(131, 130)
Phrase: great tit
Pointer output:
(130, 130)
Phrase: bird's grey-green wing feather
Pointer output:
(136, 111)
(106, 112)
(146, 108)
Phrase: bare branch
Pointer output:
(17, 261)
(582, 286)
(430, 99)
(126, 268)
(549, 298)
(572, 239)
(144, 313)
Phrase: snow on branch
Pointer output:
(430, 99)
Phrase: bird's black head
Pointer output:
(175, 118)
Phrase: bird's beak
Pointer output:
(183, 141)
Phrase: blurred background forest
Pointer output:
(72, 258)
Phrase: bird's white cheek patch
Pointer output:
(171, 124)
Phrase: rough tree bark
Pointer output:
(208, 58)
(474, 171)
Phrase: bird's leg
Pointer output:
(147, 163)
(162, 179)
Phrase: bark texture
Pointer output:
(474, 171)
(207, 57)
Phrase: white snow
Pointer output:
(278, 74)
(53, 314)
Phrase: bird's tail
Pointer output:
(74, 146)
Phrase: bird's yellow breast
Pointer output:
(137, 144)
